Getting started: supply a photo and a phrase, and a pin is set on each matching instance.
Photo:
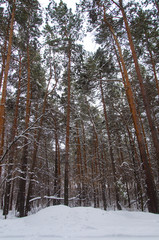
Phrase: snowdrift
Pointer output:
(85, 223)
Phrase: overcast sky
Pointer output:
(70, 3)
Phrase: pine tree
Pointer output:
(68, 32)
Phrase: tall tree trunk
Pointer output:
(103, 179)
(110, 148)
(48, 174)
(24, 161)
(141, 82)
(30, 183)
(143, 130)
(11, 155)
(66, 178)
(85, 167)
(4, 90)
(4, 54)
(94, 176)
(57, 170)
(84, 149)
(79, 165)
(59, 174)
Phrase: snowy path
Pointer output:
(63, 223)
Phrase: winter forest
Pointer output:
(79, 128)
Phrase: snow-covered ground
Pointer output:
(81, 223)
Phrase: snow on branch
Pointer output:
(52, 197)
(34, 199)
(18, 137)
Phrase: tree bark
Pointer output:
(80, 183)
(85, 167)
(57, 168)
(66, 180)
(4, 55)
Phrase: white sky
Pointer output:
(70, 3)
(88, 42)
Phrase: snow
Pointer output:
(81, 223)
